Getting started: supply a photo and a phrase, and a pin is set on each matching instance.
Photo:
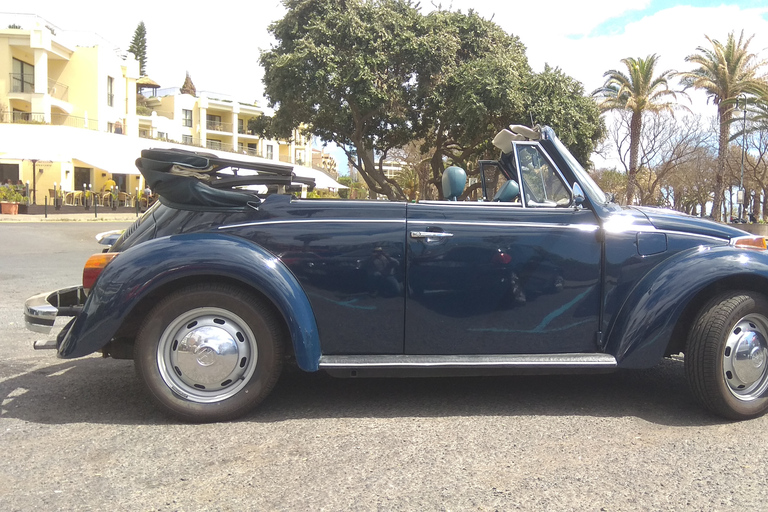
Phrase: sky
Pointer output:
(219, 43)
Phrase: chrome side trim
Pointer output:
(314, 221)
(537, 225)
(520, 361)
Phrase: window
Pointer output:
(542, 185)
(110, 127)
(240, 147)
(253, 149)
(240, 126)
(186, 139)
(187, 115)
(23, 77)
(110, 91)
(214, 144)
(299, 157)
(270, 152)
(495, 182)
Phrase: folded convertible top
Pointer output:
(188, 178)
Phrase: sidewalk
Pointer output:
(72, 217)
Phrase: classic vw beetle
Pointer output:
(217, 286)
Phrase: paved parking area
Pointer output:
(80, 435)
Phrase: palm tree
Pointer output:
(725, 72)
(637, 91)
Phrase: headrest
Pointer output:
(507, 192)
(454, 181)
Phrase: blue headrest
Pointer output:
(508, 192)
(454, 180)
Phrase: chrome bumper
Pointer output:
(40, 311)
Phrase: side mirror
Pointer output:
(578, 195)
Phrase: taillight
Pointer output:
(94, 266)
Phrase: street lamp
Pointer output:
(743, 146)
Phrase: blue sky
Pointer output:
(617, 24)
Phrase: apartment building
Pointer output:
(325, 162)
(72, 79)
(60, 80)
(68, 114)
(216, 121)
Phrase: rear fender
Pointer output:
(141, 269)
(643, 327)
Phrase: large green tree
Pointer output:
(374, 75)
(471, 84)
(138, 47)
(638, 90)
(346, 70)
(557, 100)
(725, 72)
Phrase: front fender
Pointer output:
(141, 269)
(643, 327)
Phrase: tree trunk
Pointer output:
(635, 130)
(724, 116)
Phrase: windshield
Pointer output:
(591, 188)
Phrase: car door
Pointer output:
(520, 277)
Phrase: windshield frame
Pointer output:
(591, 188)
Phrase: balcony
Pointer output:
(58, 90)
(218, 126)
(56, 119)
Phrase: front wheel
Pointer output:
(726, 359)
(209, 352)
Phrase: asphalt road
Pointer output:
(80, 434)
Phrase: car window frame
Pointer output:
(550, 161)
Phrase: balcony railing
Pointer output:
(58, 90)
(93, 124)
(25, 83)
(218, 126)
(56, 119)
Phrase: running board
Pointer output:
(407, 365)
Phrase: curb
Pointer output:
(68, 217)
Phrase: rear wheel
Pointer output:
(209, 352)
(726, 358)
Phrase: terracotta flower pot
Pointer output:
(9, 208)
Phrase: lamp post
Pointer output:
(743, 146)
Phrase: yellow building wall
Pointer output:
(80, 74)
(284, 152)
(5, 78)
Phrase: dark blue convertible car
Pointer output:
(218, 286)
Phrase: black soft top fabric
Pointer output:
(188, 190)
(191, 179)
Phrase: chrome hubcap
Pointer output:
(207, 355)
(745, 359)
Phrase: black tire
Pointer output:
(209, 352)
(726, 358)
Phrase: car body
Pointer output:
(216, 288)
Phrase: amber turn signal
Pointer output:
(94, 266)
(749, 242)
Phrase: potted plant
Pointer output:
(9, 200)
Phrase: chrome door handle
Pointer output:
(431, 236)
